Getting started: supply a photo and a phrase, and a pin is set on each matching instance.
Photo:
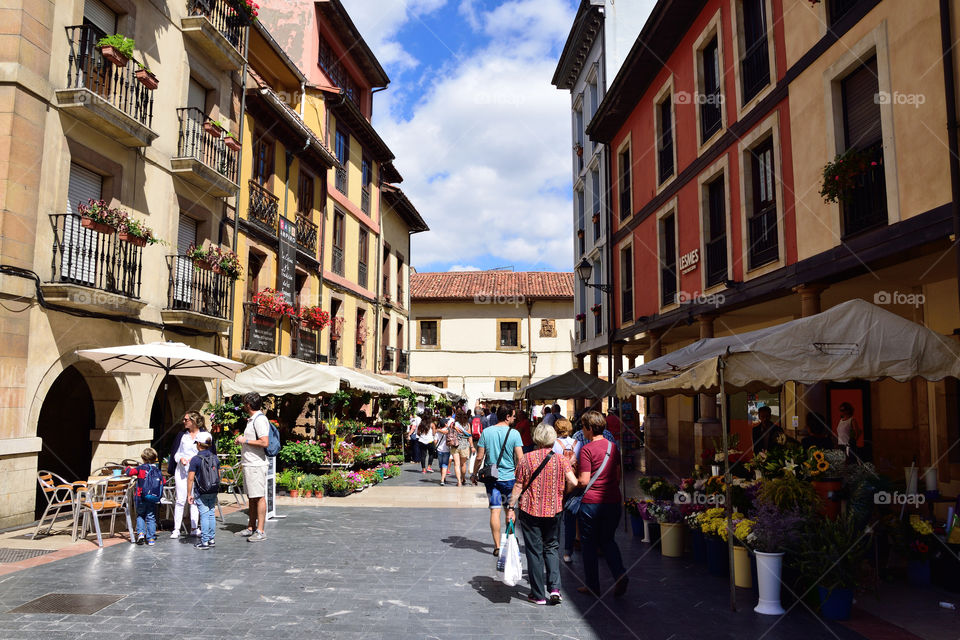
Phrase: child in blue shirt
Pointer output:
(146, 508)
(205, 497)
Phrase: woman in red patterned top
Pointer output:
(541, 507)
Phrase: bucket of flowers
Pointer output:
(270, 303)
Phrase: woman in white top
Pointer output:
(193, 423)
(848, 431)
(426, 433)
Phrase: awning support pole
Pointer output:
(727, 480)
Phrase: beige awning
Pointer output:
(282, 375)
(855, 340)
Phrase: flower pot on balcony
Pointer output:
(232, 143)
(147, 79)
(212, 129)
(99, 227)
(579, 233)
(136, 241)
(596, 218)
(114, 56)
(203, 264)
(269, 313)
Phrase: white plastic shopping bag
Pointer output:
(502, 558)
(513, 568)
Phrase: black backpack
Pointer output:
(207, 476)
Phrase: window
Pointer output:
(710, 102)
(578, 135)
(339, 221)
(755, 62)
(836, 9)
(336, 326)
(262, 159)
(254, 265)
(429, 331)
(626, 284)
(597, 299)
(715, 233)
(623, 180)
(361, 332)
(668, 260)
(363, 251)
(594, 97)
(511, 384)
(342, 144)
(763, 245)
(366, 177)
(509, 334)
(305, 202)
(385, 270)
(581, 215)
(399, 280)
(78, 261)
(299, 287)
(865, 206)
(665, 139)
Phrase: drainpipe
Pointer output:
(377, 292)
(529, 341)
(946, 43)
(236, 210)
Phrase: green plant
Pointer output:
(199, 253)
(122, 44)
(228, 261)
(829, 553)
(296, 481)
(790, 493)
(138, 229)
(840, 175)
(284, 478)
(226, 444)
(226, 414)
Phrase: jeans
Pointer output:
(146, 520)
(444, 458)
(207, 504)
(569, 531)
(541, 544)
(598, 525)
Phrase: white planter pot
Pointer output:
(769, 566)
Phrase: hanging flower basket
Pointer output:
(840, 176)
(212, 129)
(117, 49)
(270, 303)
(232, 143)
(596, 218)
(100, 227)
(113, 55)
(596, 309)
(579, 233)
(97, 216)
(136, 241)
(147, 79)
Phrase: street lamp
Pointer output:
(585, 270)
(533, 361)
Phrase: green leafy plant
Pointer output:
(830, 552)
(790, 493)
(120, 43)
(284, 478)
(227, 261)
(840, 176)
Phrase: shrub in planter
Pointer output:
(829, 556)
(97, 216)
(226, 262)
(116, 48)
(136, 232)
(146, 78)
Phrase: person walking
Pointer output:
(203, 485)
(184, 448)
(524, 426)
(442, 443)
(567, 447)
(542, 479)
(149, 479)
(499, 445)
(412, 436)
(599, 469)
(253, 458)
(465, 448)
(426, 432)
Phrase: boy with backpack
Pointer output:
(203, 485)
(149, 492)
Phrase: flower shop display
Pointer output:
(270, 303)
(116, 48)
(824, 469)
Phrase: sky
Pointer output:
(482, 138)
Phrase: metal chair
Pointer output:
(108, 497)
(60, 495)
(232, 482)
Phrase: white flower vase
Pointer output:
(769, 566)
(715, 469)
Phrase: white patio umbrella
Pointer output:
(171, 358)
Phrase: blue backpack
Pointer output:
(151, 485)
(273, 446)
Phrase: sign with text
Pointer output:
(261, 333)
(689, 261)
(287, 260)
(307, 345)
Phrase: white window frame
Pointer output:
(667, 210)
(769, 126)
(713, 28)
(706, 177)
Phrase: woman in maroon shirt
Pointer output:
(601, 506)
(541, 506)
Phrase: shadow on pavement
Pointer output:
(459, 542)
(494, 590)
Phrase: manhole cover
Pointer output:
(77, 603)
(16, 555)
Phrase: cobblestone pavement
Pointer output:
(372, 572)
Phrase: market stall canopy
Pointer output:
(499, 396)
(855, 340)
(360, 381)
(417, 387)
(283, 375)
(172, 358)
(572, 384)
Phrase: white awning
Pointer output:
(283, 375)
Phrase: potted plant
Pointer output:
(306, 489)
(296, 481)
(773, 532)
(314, 317)
(632, 506)
(201, 257)
(578, 149)
(596, 218)
(579, 233)
(841, 175)
(136, 232)
(697, 541)
(283, 481)
(580, 317)
(829, 555)
(97, 216)
(146, 77)
(116, 48)
(232, 142)
(668, 517)
(226, 262)
(214, 128)
(596, 309)
(270, 303)
(920, 533)
(824, 469)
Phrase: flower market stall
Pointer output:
(774, 501)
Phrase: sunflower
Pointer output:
(818, 455)
(822, 466)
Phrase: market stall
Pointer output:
(572, 384)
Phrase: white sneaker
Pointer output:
(174, 535)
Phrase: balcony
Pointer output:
(337, 260)
(386, 360)
(365, 200)
(263, 210)
(306, 235)
(203, 159)
(196, 298)
(716, 261)
(341, 180)
(755, 69)
(362, 274)
(865, 205)
(93, 271)
(403, 361)
(107, 98)
(763, 245)
(218, 29)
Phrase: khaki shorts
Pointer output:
(255, 481)
(463, 449)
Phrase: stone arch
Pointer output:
(182, 394)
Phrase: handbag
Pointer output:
(573, 502)
(490, 472)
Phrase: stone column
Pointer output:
(813, 397)
(707, 427)
(655, 429)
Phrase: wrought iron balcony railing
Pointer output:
(192, 288)
(91, 259)
(716, 260)
(865, 205)
(306, 235)
(337, 260)
(225, 16)
(197, 143)
(264, 208)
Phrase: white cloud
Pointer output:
(380, 21)
(464, 267)
(486, 152)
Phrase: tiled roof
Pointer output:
(466, 285)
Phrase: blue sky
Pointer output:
(482, 138)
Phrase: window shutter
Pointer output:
(197, 96)
(84, 185)
(861, 109)
(100, 15)
(186, 236)
(80, 245)
(186, 233)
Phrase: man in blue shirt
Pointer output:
(500, 436)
